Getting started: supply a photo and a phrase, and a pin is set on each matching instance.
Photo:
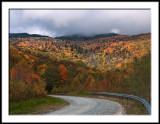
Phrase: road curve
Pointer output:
(88, 106)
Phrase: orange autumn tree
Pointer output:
(20, 71)
(23, 71)
(63, 74)
(32, 78)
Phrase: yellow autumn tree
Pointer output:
(118, 65)
(89, 84)
(39, 89)
(41, 69)
(40, 48)
(76, 86)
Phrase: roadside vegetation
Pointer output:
(36, 105)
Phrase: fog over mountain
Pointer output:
(56, 23)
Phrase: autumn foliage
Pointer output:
(41, 65)
(90, 83)
(63, 74)
(76, 85)
(21, 71)
(24, 83)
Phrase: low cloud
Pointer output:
(87, 22)
(115, 31)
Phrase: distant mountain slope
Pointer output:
(22, 35)
(82, 37)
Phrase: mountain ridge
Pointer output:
(23, 35)
(74, 37)
(83, 37)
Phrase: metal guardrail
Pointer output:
(146, 104)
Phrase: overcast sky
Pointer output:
(67, 22)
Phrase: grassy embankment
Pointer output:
(36, 105)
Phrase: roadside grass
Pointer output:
(130, 106)
(36, 105)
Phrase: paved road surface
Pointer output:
(88, 106)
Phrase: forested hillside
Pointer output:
(117, 63)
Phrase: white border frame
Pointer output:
(5, 55)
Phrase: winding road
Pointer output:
(88, 106)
